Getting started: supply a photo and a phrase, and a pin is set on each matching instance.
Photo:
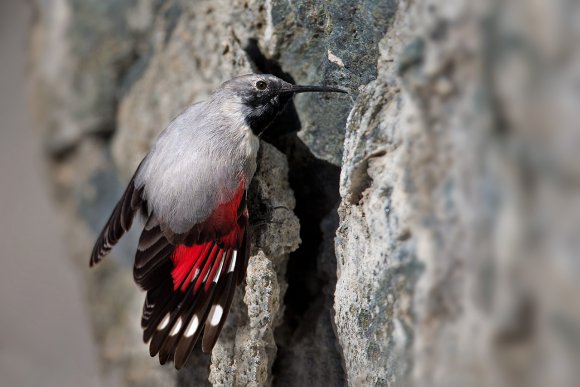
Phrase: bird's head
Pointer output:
(263, 97)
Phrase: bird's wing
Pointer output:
(119, 222)
(190, 284)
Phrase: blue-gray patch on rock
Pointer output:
(333, 41)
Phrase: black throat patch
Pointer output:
(261, 117)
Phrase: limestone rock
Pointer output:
(436, 204)
(442, 156)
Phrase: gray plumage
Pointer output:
(199, 161)
(192, 188)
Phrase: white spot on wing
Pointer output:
(163, 323)
(217, 275)
(216, 315)
(233, 262)
(192, 327)
(176, 328)
(206, 275)
(195, 275)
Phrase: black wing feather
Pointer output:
(152, 260)
(173, 320)
(119, 222)
(223, 299)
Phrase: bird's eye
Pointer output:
(261, 85)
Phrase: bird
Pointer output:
(191, 190)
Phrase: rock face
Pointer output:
(422, 230)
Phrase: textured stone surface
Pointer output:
(493, 179)
(443, 156)
(334, 41)
(244, 356)
(179, 72)
(439, 235)
(377, 270)
(310, 354)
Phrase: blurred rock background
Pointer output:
(432, 217)
(45, 333)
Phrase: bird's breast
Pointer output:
(192, 172)
(248, 148)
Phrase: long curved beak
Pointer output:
(295, 89)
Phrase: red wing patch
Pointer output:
(189, 260)
(196, 300)
(197, 291)
(224, 218)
